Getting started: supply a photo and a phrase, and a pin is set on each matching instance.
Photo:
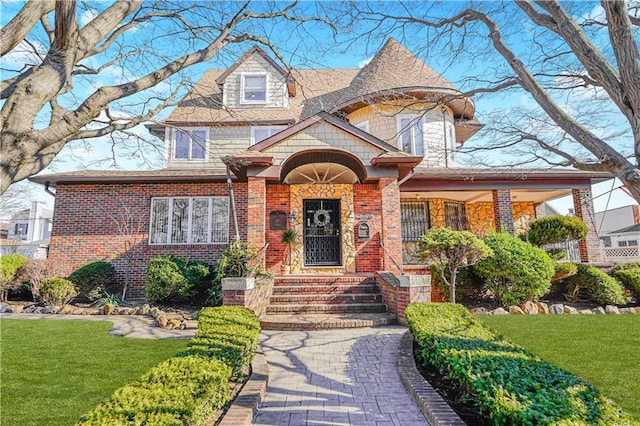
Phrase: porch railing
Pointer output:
(259, 258)
(622, 254)
(569, 247)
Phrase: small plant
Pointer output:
(289, 238)
(38, 269)
(452, 250)
(10, 265)
(593, 284)
(556, 229)
(94, 278)
(57, 291)
(517, 271)
(236, 260)
(109, 299)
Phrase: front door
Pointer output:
(321, 237)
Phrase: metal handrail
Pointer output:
(391, 257)
(261, 252)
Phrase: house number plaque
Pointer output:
(277, 220)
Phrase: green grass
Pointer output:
(52, 371)
(603, 350)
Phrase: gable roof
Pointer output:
(628, 229)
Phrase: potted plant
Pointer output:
(289, 238)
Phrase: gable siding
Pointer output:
(321, 136)
(256, 64)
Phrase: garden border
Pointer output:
(433, 406)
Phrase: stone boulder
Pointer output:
(161, 321)
(530, 308)
(480, 311)
(610, 309)
(599, 310)
(627, 311)
(515, 310)
(3, 307)
(543, 308)
(570, 310)
(173, 323)
(499, 311)
(556, 309)
(16, 309)
(586, 312)
(189, 325)
(144, 310)
(65, 309)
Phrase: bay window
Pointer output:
(410, 135)
(189, 220)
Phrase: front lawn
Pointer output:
(54, 371)
(601, 349)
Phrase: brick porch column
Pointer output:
(590, 251)
(256, 212)
(391, 237)
(502, 210)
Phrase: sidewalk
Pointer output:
(140, 327)
(337, 377)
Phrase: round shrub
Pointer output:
(169, 277)
(556, 229)
(630, 278)
(598, 286)
(517, 271)
(57, 291)
(624, 266)
(10, 264)
(564, 270)
(94, 279)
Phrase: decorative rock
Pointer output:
(3, 307)
(480, 311)
(586, 312)
(161, 321)
(189, 325)
(499, 311)
(570, 310)
(556, 309)
(108, 309)
(65, 309)
(46, 310)
(530, 308)
(627, 311)
(515, 310)
(637, 309)
(175, 316)
(610, 309)
(153, 312)
(543, 308)
(16, 309)
(599, 310)
(173, 323)
(30, 309)
(144, 310)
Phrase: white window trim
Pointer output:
(254, 128)
(244, 101)
(174, 132)
(414, 119)
(189, 221)
(364, 126)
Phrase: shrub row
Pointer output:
(189, 387)
(511, 385)
(629, 275)
(591, 283)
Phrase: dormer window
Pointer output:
(190, 144)
(410, 135)
(254, 88)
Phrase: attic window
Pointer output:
(254, 88)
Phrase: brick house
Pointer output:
(360, 162)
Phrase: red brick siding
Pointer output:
(590, 246)
(256, 299)
(277, 199)
(367, 203)
(502, 210)
(391, 235)
(84, 231)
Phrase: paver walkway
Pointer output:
(335, 377)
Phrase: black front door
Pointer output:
(321, 233)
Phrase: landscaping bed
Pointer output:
(509, 384)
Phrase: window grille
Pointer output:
(414, 217)
(456, 216)
(189, 220)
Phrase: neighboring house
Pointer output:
(361, 162)
(619, 231)
(29, 232)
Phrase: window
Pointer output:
(189, 220)
(410, 135)
(455, 216)
(260, 133)
(20, 230)
(254, 88)
(190, 144)
(414, 219)
(363, 126)
(628, 243)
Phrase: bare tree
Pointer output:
(578, 61)
(93, 69)
(15, 198)
(129, 223)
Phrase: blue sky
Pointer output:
(315, 48)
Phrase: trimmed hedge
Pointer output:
(170, 277)
(189, 387)
(556, 229)
(57, 291)
(94, 279)
(630, 278)
(511, 385)
(596, 285)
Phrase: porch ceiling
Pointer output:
(321, 173)
(522, 195)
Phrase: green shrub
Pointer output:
(594, 284)
(94, 279)
(171, 277)
(468, 286)
(517, 271)
(510, 385)
(624, 266)
(563, 270)
(57, 291)
(190, 387)
(10, 264)
(630, 278)
(556, 229)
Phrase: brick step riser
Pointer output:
(325, 290)
(292, 326)
(278, 282)
(328, 300)
(326, 309)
